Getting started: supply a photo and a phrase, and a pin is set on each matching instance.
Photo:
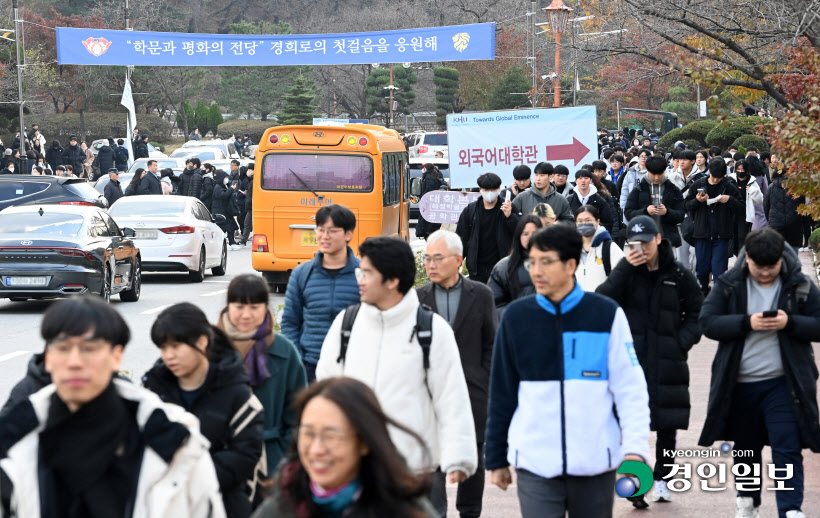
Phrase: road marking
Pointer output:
(155, 310)
(15, 354)
(214, 293)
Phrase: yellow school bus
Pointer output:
(302, 168)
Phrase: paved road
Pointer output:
(21, 322)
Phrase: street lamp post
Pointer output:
(18, 36)
(558, 15)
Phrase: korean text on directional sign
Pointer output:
(445, 206)
(107, 47)
(496, 142)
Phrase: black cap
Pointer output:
(72, 137)
(641, 228)
(113, 170)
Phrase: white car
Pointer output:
(174, 234)
(210, 155)
(226, 146)
(425, 145)
(152, 151)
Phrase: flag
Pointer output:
(577, 84)
(128, 102)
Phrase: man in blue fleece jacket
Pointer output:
(563, 365)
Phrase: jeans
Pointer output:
(247, 225)
(582, 497)
(712, 257)
(666, 441)
(469, 495)
(762, 410)
(310, 370)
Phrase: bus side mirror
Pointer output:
(415, 187)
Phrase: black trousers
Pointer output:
(470, 492)
(666, 441)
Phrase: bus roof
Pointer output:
(349, 137)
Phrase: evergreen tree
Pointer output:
(214, 117)
(186, 118)
(446, 81)
(510, 92)
(300, 103)
(201, 113)
(378, 96)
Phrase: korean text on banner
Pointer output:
(106, 47)
(496, 142)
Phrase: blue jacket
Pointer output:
(312, 301)
(557, 376)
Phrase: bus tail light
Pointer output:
(423, 149)
(260, 243)
(351, 141)
(363, 141)
(273, 139)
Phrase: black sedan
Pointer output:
(55, 251)
(20, 189)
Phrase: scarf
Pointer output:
(334, 502)
(256, 362)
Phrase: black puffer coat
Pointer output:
(54, 155)
(106, 159)
(36, 378)
(230, 417)
(190, 183)
(503, 289)
(781, 211)
(223, 195)
(206, 194)
(641, 198)
(662, 308)
(74, 156)
(725, 212)
(596, 200)
(724, 318)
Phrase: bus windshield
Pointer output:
(309, 172)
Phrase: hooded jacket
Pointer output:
(206, 194)
(121, 157)
(591, 272)
(596, 200)
(176, 476)
(781, 207)
(753, 197)
(74, 156)
(190, 182)
(230, 417)
(384, 353)
(662, 308)
(222, 195)
(106, 158)
(724, 319)
(54, 155)
(526, 201)
(641, 198)
(36, 378)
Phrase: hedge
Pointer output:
(697, 130)
(725, 133)
(751, 140)
(253, 128)
(693, 144)
(668, 140)
(61, 126)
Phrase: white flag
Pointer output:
(128, 102)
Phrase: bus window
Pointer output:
(325, 172)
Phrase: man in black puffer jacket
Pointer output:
(54, 155)
(224, 198)
(659, 198)
(764, 376)
(662, 301)
(190, 181)
(106, 156)
(74, 155)
(781, 211)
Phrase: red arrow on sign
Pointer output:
(575, 152)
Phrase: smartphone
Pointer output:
(770, 314)
(701, 190)
(635, 245)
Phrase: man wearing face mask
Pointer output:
(486, 228)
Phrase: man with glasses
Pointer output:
(91, 445)
(322, 287)
(568, 399)
(384, 352)
(469, 308)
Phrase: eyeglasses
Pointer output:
(436, 259)
(87, 348)
(330, 439)
(541, 263)
(361, 275)
(333, 231)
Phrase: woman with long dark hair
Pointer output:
(273, 363)
(510, 280)
(131, 190)
(200, 371)
(343, 462)
(702, 160)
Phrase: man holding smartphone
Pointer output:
(765, 313)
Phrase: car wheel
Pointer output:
(133, 293)
(198, 275)
(223, 265)
(105, 290)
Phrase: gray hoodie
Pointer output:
(525, 202)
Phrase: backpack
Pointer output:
(423, 330)
(605, 255)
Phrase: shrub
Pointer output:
(693, 144)
(60, 126)
(667, 141)
(725, 133)
(751, 140)
(253, 128)
(421, 273)
(814, 240)
(697, 130)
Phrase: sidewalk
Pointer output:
(693, 503)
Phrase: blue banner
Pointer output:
(105, 47)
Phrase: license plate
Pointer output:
(309, 238)
(27, 281)
(146, 234)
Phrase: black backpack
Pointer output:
(423, 330)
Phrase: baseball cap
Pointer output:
(113, 170)
(680, 144)
(641, 228)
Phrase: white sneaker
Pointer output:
(660, 493)
(234, 247)
(795, 514)
(745, 508)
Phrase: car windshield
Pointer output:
(305, 172)
(161, 164)
(125, 208)
(58, 223)
(435, 139)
